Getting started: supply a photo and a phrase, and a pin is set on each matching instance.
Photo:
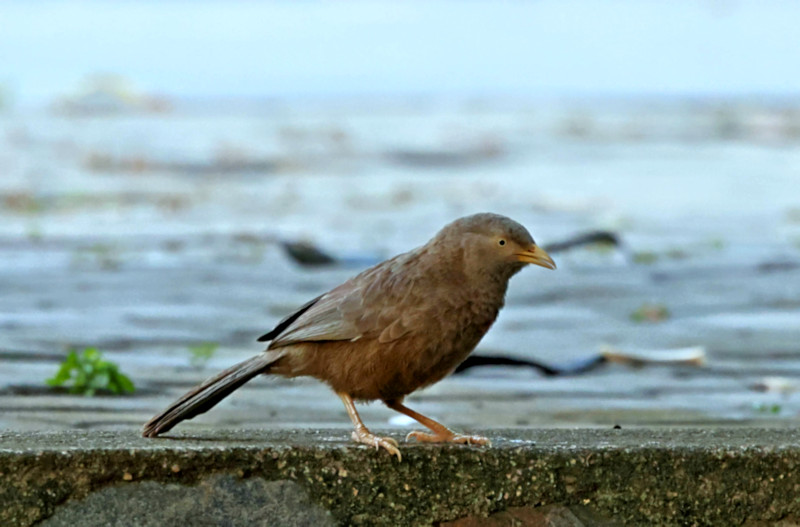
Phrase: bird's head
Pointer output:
(494, 243)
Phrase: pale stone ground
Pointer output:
(143, 260)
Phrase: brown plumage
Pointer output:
(398, 326)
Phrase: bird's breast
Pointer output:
(447, 340)
(369, 368)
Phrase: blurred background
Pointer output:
(177, 176)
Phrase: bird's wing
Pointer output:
(287, 321)
(377, 303)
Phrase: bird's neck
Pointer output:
(482, 289)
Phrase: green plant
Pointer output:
(645, 257)
(23, 203)
(717, 244)
(602, 247)
(764, 408)
(103, 255)
(650, 313)
(677, 254)
(200, 354)
(88, 373)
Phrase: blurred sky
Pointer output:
(316, 48)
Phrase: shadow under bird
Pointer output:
(399, 326)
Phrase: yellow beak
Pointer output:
(536, 255)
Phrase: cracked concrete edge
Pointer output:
(658, 476)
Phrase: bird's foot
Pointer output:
(448, 437)
(387, 443)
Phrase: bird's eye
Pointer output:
(502, 242)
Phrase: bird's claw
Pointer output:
(425, 437)
(387, 443)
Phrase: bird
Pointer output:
(396, 327)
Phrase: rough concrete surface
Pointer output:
(633, 477)
(216, 500)
(544, 516)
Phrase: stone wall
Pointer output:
(588, 476)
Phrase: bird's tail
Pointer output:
(205, 396)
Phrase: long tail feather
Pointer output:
(205, 396)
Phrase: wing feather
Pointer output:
(287, 321)
(368, 305)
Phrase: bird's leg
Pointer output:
(362, 435)
(441, 434)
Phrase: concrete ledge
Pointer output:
(637, 477)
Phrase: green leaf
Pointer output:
(88, 373)
(71, 360)
(202, 353)
(125, 383)
(61, 376)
